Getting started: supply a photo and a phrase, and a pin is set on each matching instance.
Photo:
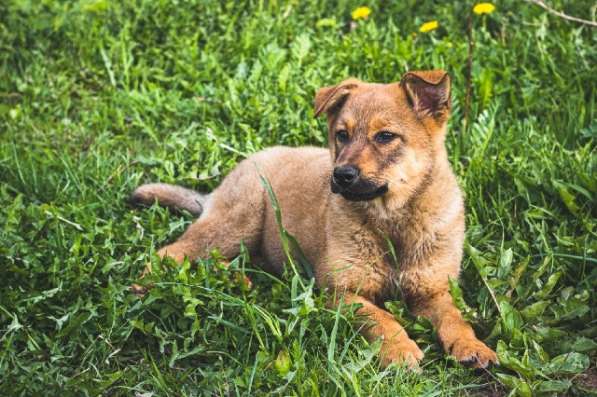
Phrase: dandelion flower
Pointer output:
(361, 13)
(428, 26)
(483, 8)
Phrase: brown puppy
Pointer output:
(391, 183)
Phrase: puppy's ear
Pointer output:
(428, 93)
(329, 98)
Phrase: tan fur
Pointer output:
(421, 214)
(170, 196)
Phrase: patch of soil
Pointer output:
(587, 380)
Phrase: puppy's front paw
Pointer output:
(404, 352)
(473, 353)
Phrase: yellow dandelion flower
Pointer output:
(483, 8)
(428, 26)
(361, 13)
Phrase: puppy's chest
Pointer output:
(409, 242)
(383, 254)
(371, 270)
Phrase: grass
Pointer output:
(98, 96)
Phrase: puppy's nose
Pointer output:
(346, 175)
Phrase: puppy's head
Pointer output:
(383, 137)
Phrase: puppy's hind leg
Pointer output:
(232, 215)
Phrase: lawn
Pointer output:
(99, 96)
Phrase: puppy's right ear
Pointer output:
(329, 98)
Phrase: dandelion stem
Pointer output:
(560, 14)
(469, 73)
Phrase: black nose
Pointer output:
(346, 175)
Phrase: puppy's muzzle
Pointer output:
(347, 181)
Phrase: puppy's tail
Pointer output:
(170, 196)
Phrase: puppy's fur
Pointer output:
(399, 189)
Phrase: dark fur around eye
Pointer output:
(385, 137)
(342, 136)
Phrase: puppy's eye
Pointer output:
(385, 137)
(342, 136)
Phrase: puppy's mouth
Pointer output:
(362, 190)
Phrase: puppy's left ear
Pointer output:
(428, 93)
(330, 98)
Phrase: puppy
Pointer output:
(385, 179)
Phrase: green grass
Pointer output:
(97, 97)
